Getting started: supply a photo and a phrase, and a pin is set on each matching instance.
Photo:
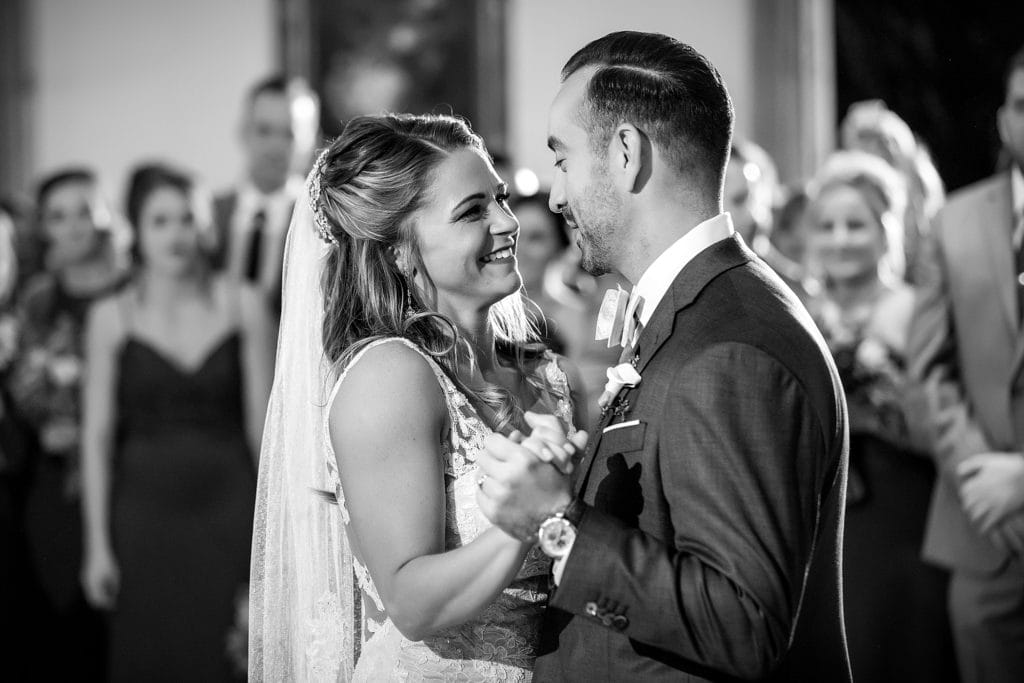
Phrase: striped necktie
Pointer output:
(632, 327)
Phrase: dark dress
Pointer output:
(895, 604)
(45, 388)
(182, 505)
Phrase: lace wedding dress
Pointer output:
(500, 643)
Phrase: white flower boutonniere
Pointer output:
(622, 375)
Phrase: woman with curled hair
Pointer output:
(404, 343)
(870, 126)
(84, 261)
(177, 378)
(894, 603)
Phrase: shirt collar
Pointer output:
(660, 275)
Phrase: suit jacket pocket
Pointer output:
(623, 437)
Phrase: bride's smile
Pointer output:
(466, 234)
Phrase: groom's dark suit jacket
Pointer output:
(710, 542)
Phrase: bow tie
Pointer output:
(618, 321)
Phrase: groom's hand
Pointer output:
(547, 441)
(518, 490)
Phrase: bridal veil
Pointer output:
(302, 597)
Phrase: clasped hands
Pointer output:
(525, 478)
(992, 493)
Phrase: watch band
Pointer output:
(575, 511)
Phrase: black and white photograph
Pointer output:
(512, 341)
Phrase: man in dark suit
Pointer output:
(278, 131)
(966, 350)
(700, 536)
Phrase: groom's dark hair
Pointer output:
(665, 88)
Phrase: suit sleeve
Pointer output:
(744, 464)
(933, 365)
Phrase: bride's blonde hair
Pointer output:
(371, 180)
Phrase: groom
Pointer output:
(700, 536)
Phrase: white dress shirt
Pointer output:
(654, 284)
(662, 272)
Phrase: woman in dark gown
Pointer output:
(894, 603)
(177, 382)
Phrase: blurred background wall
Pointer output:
(116, 80)
(110, 81)
(113, 81)
(544, 34)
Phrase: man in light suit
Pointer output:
(700, 536)
(966, 352)
(278, 131)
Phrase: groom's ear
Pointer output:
(630, 157)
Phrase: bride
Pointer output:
(404, 343)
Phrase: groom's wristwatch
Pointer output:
(557, 533)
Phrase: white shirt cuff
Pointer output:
(559, 566)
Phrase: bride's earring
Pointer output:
(410, 310)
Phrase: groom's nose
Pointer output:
(556, 200)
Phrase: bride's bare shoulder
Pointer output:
(390, 381)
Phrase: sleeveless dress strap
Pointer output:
(126, 307)
(362, 574)
(446, 385)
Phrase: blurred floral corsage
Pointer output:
(874, 381)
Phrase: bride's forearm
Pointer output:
(433, 592)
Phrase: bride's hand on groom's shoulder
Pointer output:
(518, 487)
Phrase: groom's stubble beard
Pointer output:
(598, 226)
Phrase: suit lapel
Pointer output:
(690, 281)
(224, 214)
(995, 226)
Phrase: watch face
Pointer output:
(556, 535)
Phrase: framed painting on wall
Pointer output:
(439, 56)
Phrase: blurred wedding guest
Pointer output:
(894, 603)
(278, 133)
(967, 353)
(572, 299)
(29, 245)
(788, 234)
(552, 277)
(83, 262)
(540, 244)
(870, 126)
(177, 380)
(749, 195)
(15, 603)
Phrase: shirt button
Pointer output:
(1020, 279)
(620, 622)
(591, 609)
